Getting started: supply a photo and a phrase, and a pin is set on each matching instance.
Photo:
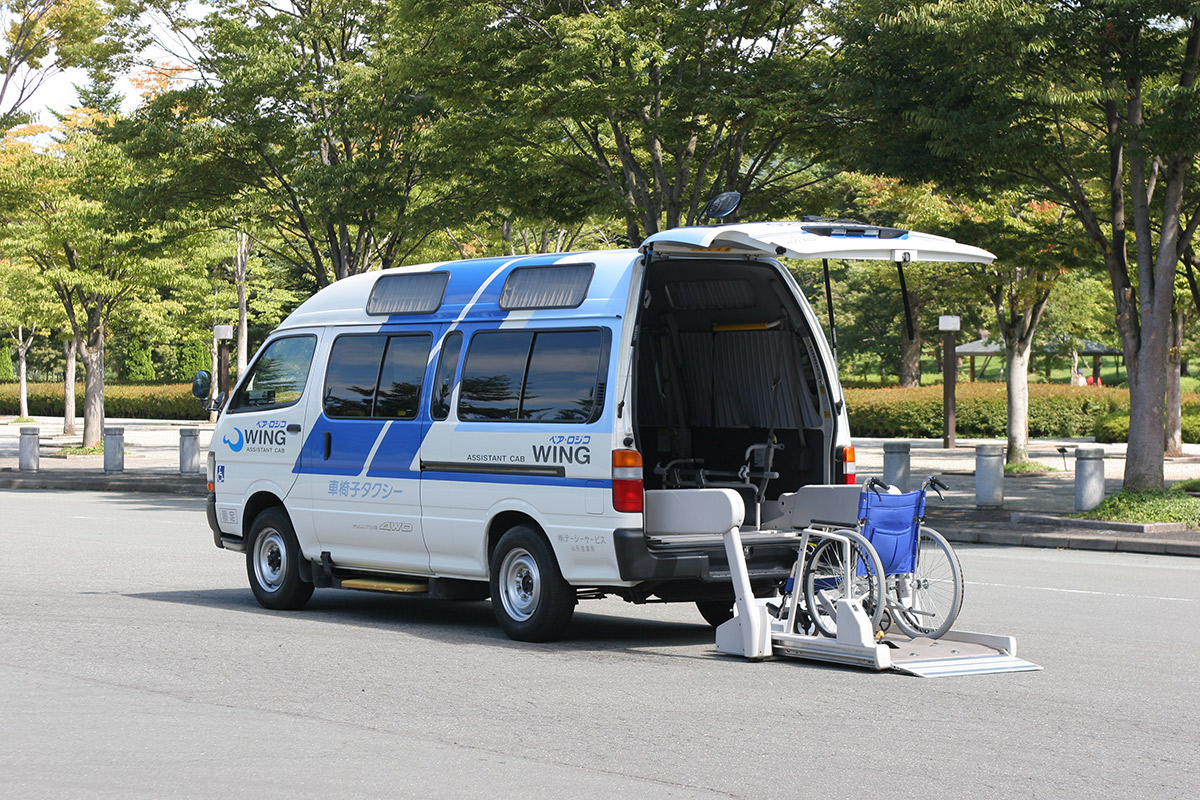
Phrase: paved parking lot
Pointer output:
(134, 662)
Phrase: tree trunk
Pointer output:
(22, 370)
(70, 347)
(241, 267)
(212, 390)
(910, 356)
(1174, 433)
(93, 393)
(1016, 360)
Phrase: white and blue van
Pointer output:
(544, 429)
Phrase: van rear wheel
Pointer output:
(531, 600)
(273, 562)
(715, 612)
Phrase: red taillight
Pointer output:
(627, 481)
(848, 470)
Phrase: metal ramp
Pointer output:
(757, 634)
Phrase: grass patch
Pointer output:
(1152, 506)
(94, 450)
(1028, 468)
(16, 420)
(1192, 485)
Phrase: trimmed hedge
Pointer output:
(1115, 427)
(981, 411)
(173, 401)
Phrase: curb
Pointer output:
(155, 483)
(1077, 540)
(1022, 518)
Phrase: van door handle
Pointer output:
(328, 444)
(293, 428)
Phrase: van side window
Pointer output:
(376, 376)
(352, 375)
(563, 377)
(401, 377)
(492, 376)
(277, 378)
(536, 377)
(443, 385)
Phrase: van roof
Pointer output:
(473, 288)
(474, 285)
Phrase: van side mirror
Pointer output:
(201, 384)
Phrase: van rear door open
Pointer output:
(816, 239)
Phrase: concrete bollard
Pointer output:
(28, 460)
(114, 450)
(189, 451)
(989, 475)
(1089, 477)
(897, 465)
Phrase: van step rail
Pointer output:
(382, 585)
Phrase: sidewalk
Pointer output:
(152, 465)
(151, 458)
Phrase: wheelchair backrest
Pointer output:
(891, 522)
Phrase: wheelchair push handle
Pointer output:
(935, 483)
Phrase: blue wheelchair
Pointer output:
(903, 572)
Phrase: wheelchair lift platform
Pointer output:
(757, 634)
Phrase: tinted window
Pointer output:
(547, 376)
(443, 385)
(352, 374)
(401, 377)
(414, 293)
(563, 376)
(278, 376)
(492, 376)
(561, 286)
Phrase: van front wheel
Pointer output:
(273, 562)
(531, 600)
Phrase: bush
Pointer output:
(981, 410)
(1151, 506)
(1115, 427)
(173, 401)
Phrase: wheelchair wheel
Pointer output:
(824, 581)
(927, 602)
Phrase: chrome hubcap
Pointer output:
(270, 559)
(520, 584)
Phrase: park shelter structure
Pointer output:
(987, 348)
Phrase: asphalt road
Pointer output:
(134, 662)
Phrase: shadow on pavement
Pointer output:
(452, 622)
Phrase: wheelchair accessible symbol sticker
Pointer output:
(221, 473)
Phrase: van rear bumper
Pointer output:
(639, 562)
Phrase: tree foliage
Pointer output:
(1093, 102)
(661, 104)
(41, 38)
(302, 117)
(99, 257)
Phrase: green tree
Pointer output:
(99, 257)
(303, 121)
(41, 38)
(660, 104)
(1092, 101)
(26, 308)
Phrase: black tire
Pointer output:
(715, 612)
(531, 600)
(273, 562)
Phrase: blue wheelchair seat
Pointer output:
(891, 522)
